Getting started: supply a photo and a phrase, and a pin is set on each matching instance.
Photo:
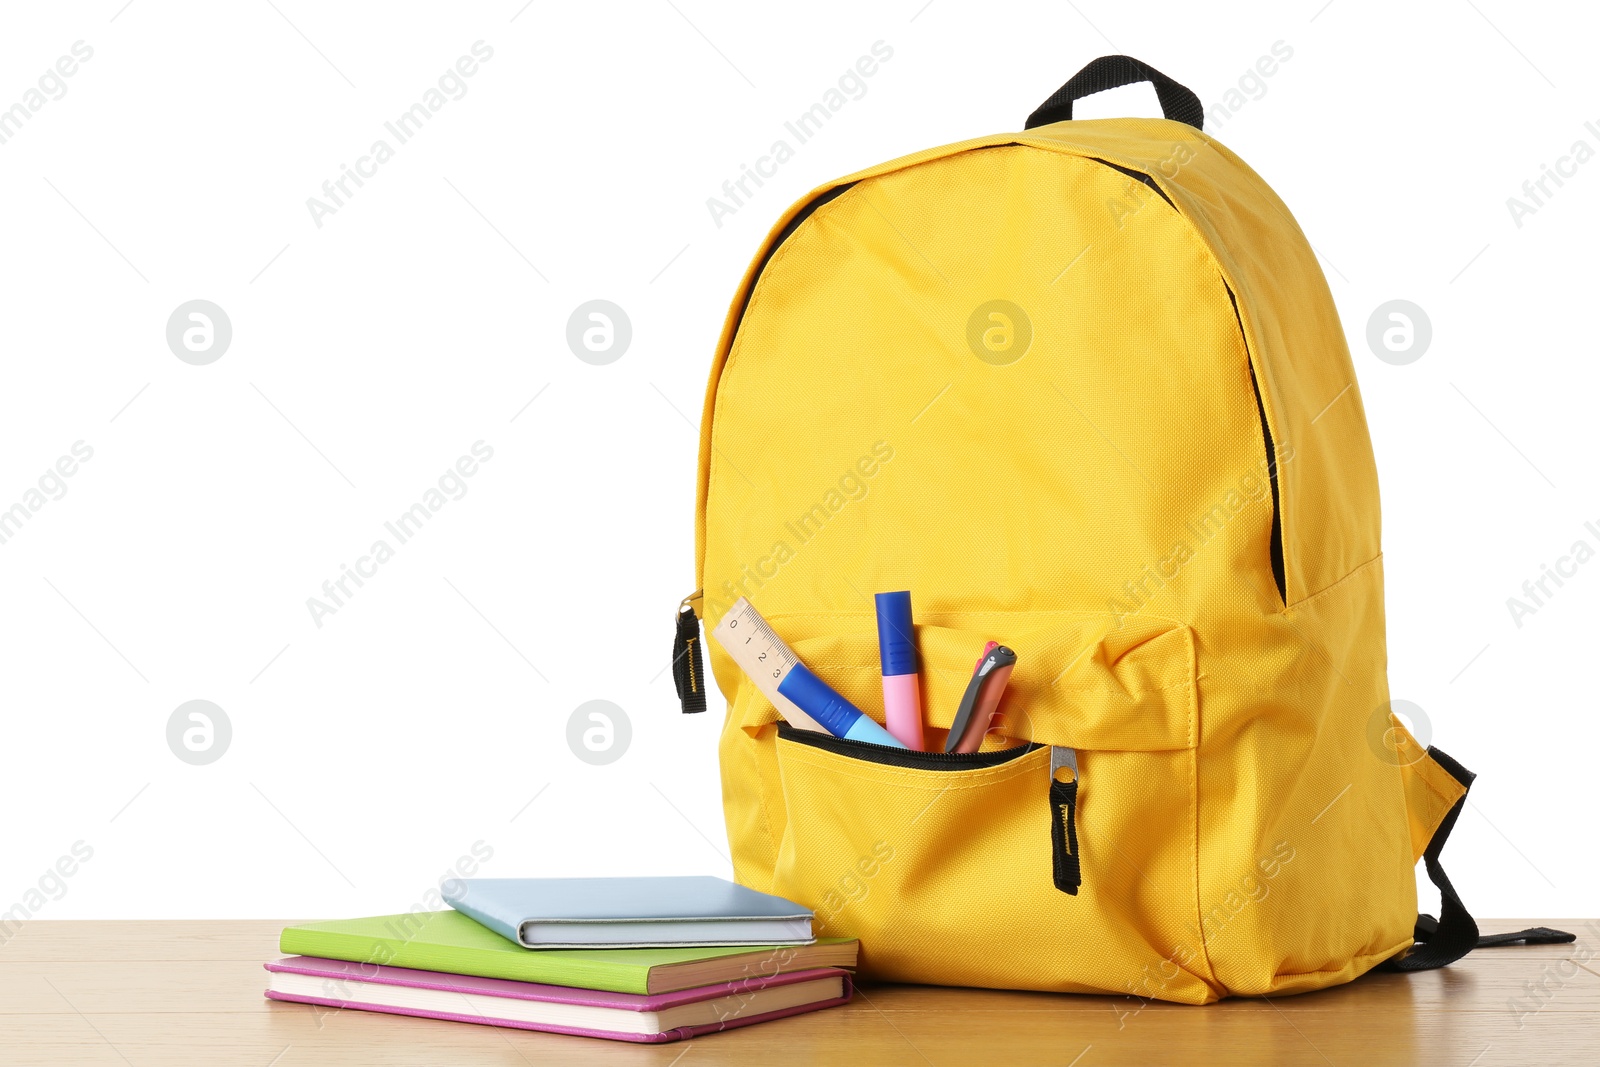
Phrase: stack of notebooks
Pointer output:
(631, 959)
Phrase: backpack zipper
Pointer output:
(1275, 542)
(688, 676)
(1065, 870)
(902, 757)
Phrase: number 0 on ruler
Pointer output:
(762, 655)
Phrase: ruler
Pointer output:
(758, 650)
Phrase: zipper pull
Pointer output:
(688, 677)
(1063, 816)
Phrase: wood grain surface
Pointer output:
(171, 994)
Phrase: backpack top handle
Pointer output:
(1111, 72)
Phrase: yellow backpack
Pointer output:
(1082, 390)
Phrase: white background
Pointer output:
(371, 753)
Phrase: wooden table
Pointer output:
(176, 993)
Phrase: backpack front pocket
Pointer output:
(965, 869)
(1063, 783)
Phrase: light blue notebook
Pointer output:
(629, 912)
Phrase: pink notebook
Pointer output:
(556, 1009)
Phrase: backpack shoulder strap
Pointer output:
(1454, 933)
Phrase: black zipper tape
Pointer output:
(901, 757)
(794, 224)
(1138, 176)
(1276, 544)
(1275, 549)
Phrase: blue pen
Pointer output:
(833, 712)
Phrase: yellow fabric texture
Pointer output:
(1102, 505)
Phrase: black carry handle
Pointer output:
(1112, 72)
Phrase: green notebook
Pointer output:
(448, 941)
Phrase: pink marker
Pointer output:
(897, 653)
